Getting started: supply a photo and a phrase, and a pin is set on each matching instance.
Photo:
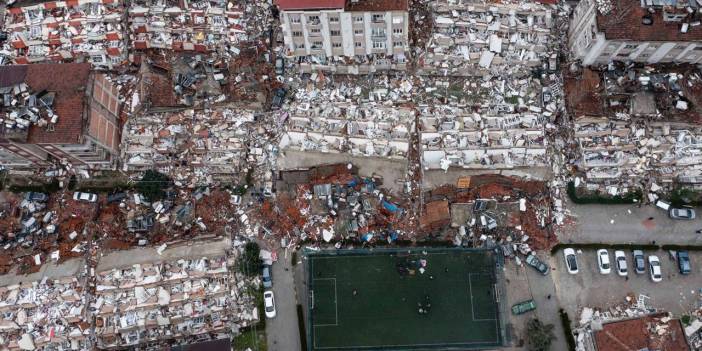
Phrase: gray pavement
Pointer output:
(588, 288)
(622, 224)
(282, 331)
(69, 268)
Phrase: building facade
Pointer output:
(356, 34)
(630, 32)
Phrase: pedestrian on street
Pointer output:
(549, 296)
(650, 218)
(698, 231)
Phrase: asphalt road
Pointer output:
(623, 224)
(282, 331)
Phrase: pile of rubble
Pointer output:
(44, 315)
(637, 126)
(67, 31)
(472, 38)
(21, 108)
(152, 302)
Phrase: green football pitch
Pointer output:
(381, 300)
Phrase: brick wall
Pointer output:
(103, 124)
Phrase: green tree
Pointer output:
(539, 335)
(249, 263)
(152, 185)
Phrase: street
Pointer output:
(629, 224)
(282, 331)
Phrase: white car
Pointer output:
(620, 258)
(78, 196)
(654, 265)
(603, 261)
(269, 304)
(571, 261)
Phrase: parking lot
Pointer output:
(676, 293)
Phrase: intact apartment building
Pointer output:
(650, 31)
(57, 112)
(346, 36)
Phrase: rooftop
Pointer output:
(68, 81)
(624, 22)
(647, 333)
(309, 4)
(348, 5)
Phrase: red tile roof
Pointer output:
(68, 81)
(309, 4)
(376, 5)
(624, 23)
(635, 334)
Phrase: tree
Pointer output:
(539, 335)
(152, 185)
(249, 263)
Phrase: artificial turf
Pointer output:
(362, 301)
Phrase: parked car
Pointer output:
(116, 197)
(279, 66)
(523, 307)
(571, 261)
(267, 277)
(620, 258)
(269, 304)
(535, 262)
(235, 200)
(654, 265)
(78, 196)
(603, 261)
(639, 262)
(682, 213)
(278, 98)
(684, 262)
(34, 196)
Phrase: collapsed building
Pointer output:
(147, 304)
(637, 126)
(651, 31)
(199, 27)
(345, 128)
(471, 37)
(66, 31)
(346, 36)
(60, 112)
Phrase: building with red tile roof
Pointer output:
(624, 30)
(654, 332)
(79, 125)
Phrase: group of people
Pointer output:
(424, 307)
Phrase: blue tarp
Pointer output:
(367, 237)
(390, 206)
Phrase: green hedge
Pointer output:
(682, 247)
(565, 321)
(630, 198)
(47, 188)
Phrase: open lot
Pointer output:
(363, 301)
(676, 293)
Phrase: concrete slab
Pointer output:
(70, 268)
(149, 255)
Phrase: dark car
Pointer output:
(535, 262)
(267, 276)
(34, 196)
(278, 98)
(639, 262)
(684, 262)
(279, 66)
(116, 197)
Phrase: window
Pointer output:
(378, 45)
(358, 31)
(317, 45)
(300, 46)
(294, 19)
(681, 46)
(35, 32)
(296, 34)
(378, 32)
(623, 54)
(397, 31)
(630, 46)
(313, 19)
(335, 33)
(358, 19)
(378, 18)
(336, 45)
(358, 44)
(644, 55)
(314, 30)
(397, 44)
(334, 19)
(96, 59)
